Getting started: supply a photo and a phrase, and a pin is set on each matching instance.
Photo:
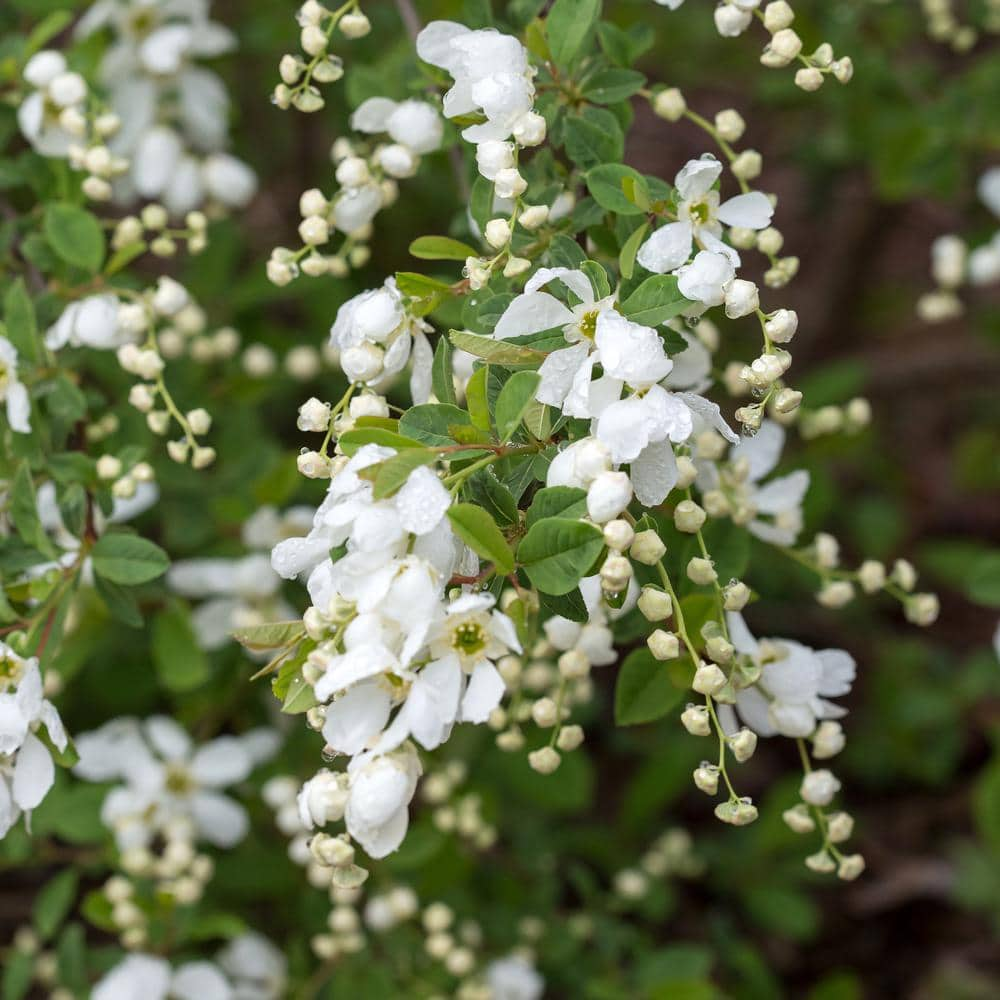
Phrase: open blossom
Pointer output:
(89, 322)
(699, 227)
(514, 978)
(12, 391)
(256, 969)
(56, 90)
(379, 793)
(173, 112)
(771, 510)
(152, 978)
(376, 337)
(163, 777)
(415, 128)
(27, 771)
(796, 682)
(640, 427)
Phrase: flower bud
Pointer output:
(498, 233)
(850, 867)
(843, 69)
(706, 778)
(922, 609)
(819, 787)
(544, 760)
(570, 738)
(618, 535)
(719, 649)
(743, 744)
(688, 517)
(735, 596)
(787, 400)
(313, 465)
(608, 495)
(355, 25)
(778, 15)
(738, 812)
(742, 298)
(533, 217)
(839, 827)
(798, 820)
(730, 125)
(314, 416)
(655, 605)
(615, 574)
(545, 713)
(648, 548)
(509, 183)
(696, 720)
(200, 420)
(836, 594)
(109, 467)
(871, 576)
(809, 79)
(821, 862)
(669, 104)
(573, 665)
(530, 129)
(828, 740)
(701, 571)
(708, 679)
(785, 45)
(730, 21)
(663, 645)
(687, 472)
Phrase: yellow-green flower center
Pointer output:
(468, 639)
(178, 781)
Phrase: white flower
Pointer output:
(164, 777)
(491, 74)
(379, 794)
(12, 390)
(414, 124)
(514, 978)
(26, 767)
(90, 322)
(256, 969)
(237, 593)
(228, 180)
(148, 977)
(322, 799)
(774, 508)
(594, 639)
(56, 91)
(791, 697)
(375, 337)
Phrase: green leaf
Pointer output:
(655, 301)
(480, 532)
(75, 235)
(429, 423)
(594, 138)
(643, 691)
(24, 512)
(18, 971)
(389, 476)
(626, 259)
(442, 375)
(605, 185)
(19, 318)
(274, 635)
(557, 552)
(567, 27)
(441, 248)
(557, 501)
(613, 85)
(180, 662)
(517, 394)
(350, 441)
(128, 559)
(571, 605)
(500, 352)
(120, 602)
(53, 903)
(299, 697)
(475, 398)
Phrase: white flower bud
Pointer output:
(730, 125)
(655, 605)
(747, 165)
(313, 465)
(648, 548)
(200, 420)
(871, 576)
(742, 298)
(498, 233)
(533, 217)
(696, 720)
(178, 451)
(821, 862)
(570, 738)
(737, 813)
(615, 574)
(770, 241)
(124, 488)
(787, 400)
(544, 760)
(687, 472)
(743, 744)
(530, 129)
(904, 574)
(778, 15)
(843, 69)
(735, 596)
(688, 517)
(798, 820)
(827, 550)
(618, 535)
(509, 183)
(355, 25)
(701, 571)
(730, 21)
(836, 594)
(314, 230)
(398, 160)
(850, 867)
(314, 416)
(819, 787)
(669, 104)
(706, 778)
(202, 458)
(109, 467)
(663, 645)
(352, 172)
(494, 156)
(839, 827)
(608, 495)
(922, 609)
(312, 38)
(708, 679)
(545, 713)
(719, 649)
(574, 665)
(785, 45)
(809, 79)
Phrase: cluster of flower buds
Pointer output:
(300, 73)
(954, 265)
(124, 481)
(944, 25)
(459, 814)
(152, 227)
(672, 854)
(174, 872)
